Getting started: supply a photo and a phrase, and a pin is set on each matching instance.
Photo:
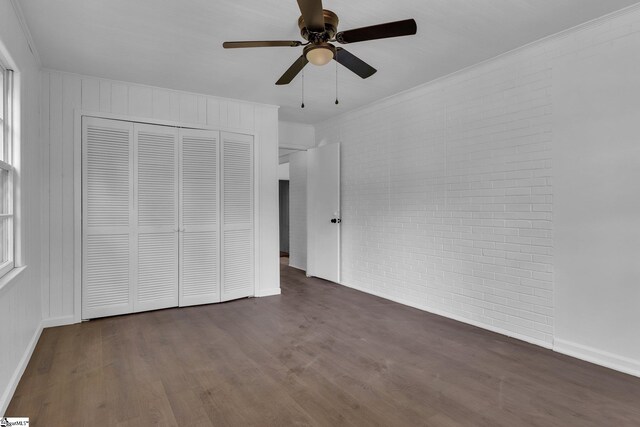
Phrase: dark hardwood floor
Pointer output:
(319, 354)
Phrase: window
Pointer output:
(6, 173)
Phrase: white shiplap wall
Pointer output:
(65, 94)
(20, 313)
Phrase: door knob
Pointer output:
(336, 220)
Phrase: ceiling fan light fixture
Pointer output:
(320, 54)
(319, 27)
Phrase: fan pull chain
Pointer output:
(336, 82)
(302, 105)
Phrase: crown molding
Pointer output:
(413, 91)
(25, 30)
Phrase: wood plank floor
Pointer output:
(319, 354)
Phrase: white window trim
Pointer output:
(8, 265)
(9, 190)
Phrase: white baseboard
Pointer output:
(297, 267)
(15, 378)
(599, 357)
(452, 316)
(268, 292)
(52, 322)
(579, 351)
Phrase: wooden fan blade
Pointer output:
(354, 63)
(407, 27)
(293, 71)
(312, 14)
(273, 43)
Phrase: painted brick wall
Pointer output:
(447, 188)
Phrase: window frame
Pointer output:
(7, 217)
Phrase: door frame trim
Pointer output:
(77, 191)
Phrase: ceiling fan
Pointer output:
(319, 27)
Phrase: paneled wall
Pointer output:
(20, 313)
(448, 193)
(64, 95)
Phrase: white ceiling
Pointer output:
(178, 44)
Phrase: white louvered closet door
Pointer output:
(107, 194)
(156, 213)
(237, 216)
(199, 217)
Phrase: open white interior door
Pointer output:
(323, 212)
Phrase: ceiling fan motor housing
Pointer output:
(330, 28)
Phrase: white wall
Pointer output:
(296, 134)
(298, 210)
(283, 171)
(448, 193)
(596, 191)
(64, 94)
(20, 323)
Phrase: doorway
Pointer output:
(284, 217)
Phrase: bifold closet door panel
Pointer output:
(199, 214)
(237, 216)
(107, 218)
(156, 213)
(168, 217)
